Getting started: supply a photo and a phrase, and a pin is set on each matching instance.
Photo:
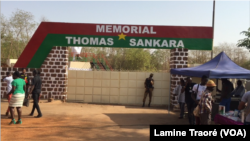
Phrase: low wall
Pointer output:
(110, 87)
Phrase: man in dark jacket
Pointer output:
(188, 88)
(36, 91)
(149, 82)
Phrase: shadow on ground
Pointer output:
(140, 121)
(126, 106)
(146, 107)
(3, 116)
(97, 134)
(78, 122)
(72, 128)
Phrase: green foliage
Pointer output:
(246, 41)
(160, 59)
(246, 65)
(137, 59)
(16, 33)
(130, 59)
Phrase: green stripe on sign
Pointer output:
(133, 42)
(114, 41)
(41, 54)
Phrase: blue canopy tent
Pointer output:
(219, 67)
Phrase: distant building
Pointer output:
(86, 66)
(11, 62)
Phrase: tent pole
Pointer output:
(216, 83)
(216, 88)
(169, 94)
(213, 28)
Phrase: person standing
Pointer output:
(149, 82)
(181, 97)
(8, 79)
(188, 99)
(26, 78)
(205, 103)
(198, 89)
(227, 88)
(18, 91)
(36, 92)
(239, 91)
(245, 100)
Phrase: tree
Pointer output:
(237, 54)
(160, 59)
(198, 56)
(246, 65)
(137, 59)
(16, 33)
(246, 41)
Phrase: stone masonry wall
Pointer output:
(54, 74)
(179, 59)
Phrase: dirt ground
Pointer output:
(80, 121)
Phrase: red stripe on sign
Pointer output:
(32, 47)
(161, 31)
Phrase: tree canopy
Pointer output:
(246, 41)
(16, 32)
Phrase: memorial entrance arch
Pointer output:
(47, 48)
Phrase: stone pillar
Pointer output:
(178, 59)
(54, 74)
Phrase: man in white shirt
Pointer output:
(198, 89)
(245, 100)
(76, 52)
(8, 79)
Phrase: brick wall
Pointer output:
(54, 74)
(179, 59)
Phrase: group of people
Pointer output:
(200, 96)
(194, 95)
(18, 89)
(189, 93)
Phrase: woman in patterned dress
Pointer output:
(206, 103)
